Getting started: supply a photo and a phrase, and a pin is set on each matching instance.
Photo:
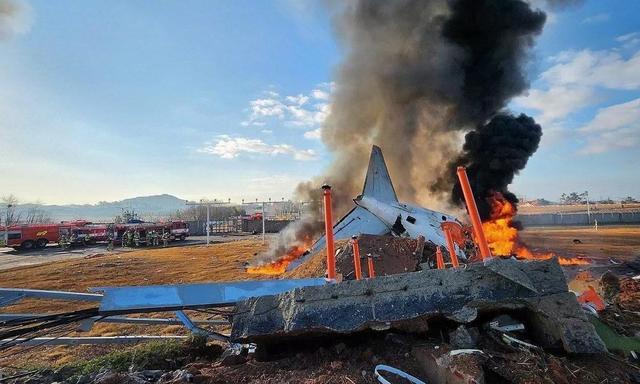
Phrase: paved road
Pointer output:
(10, 258)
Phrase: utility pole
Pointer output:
(208, 204)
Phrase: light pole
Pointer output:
(6, 226)
(262, 203)
(208, 204)
(588, 208)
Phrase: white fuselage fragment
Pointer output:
(414, 221)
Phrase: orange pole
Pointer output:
(451, 247)
(356, 257)
(439, 258)
(328, 227)
(472, 208)
(372, 272)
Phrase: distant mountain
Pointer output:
(147, 207)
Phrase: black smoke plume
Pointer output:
(493, 154)
(495, 36)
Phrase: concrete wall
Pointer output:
(270, 226)
(197, 228)
(603, 218)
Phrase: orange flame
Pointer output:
(279, 266)
(503, 237)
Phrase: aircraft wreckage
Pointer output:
(267, 311)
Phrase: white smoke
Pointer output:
(16, 18)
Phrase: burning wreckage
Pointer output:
(409, 288)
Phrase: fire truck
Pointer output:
(179, 230)
(31, 236)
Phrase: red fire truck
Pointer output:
(179, 230)
(29, 236)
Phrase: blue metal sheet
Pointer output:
(176, 297)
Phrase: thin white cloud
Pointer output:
(305, 111)
(320, 94)
(313, 134)
(15, 18)
(616, 126)
(597, 18)
(579, 79)
(267, 107)
(630, 40)
(228, 147)
(557, 102)
(299, 99)
(607, 69)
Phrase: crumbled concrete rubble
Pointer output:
(409, 301)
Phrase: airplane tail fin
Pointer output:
(378, 183)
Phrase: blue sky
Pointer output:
(103, 100)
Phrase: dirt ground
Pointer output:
(224, 262)
(620, 242)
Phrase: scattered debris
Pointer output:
(506, 323)
(463, 337)
(519, 343)
(385, 368)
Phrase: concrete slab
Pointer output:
(409, 301)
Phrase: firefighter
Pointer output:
(153, 236)
(165, 238)
(128, 235)
(73, 239)
(110, 243)
(63, 242)
(136, 238)
(110, 237)
(86, 239)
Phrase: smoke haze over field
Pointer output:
(15, 18)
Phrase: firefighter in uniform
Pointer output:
(73, 239)
(128, 235)
(153, 238)
(63, 242)
(110, 239)
(136, 238)
(165, 238)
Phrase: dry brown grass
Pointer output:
(581, 208)
(218, 262)
(621, 242)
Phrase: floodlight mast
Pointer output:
(263, 216)
(208, 204)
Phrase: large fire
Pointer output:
(279, 266)
(503, 238)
